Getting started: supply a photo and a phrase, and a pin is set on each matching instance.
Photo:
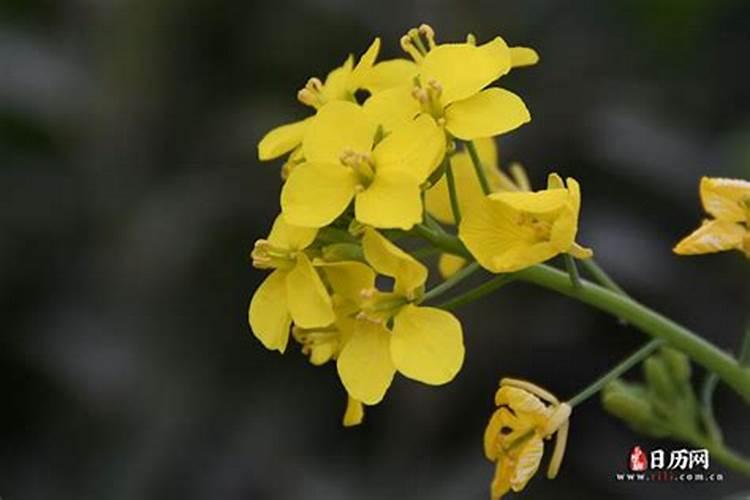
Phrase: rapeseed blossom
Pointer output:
(341, 84)
(343, 162)
(292, 292)
(510, 231)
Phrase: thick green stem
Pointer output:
(648, 321)
(623, 366)
(601, 277)
(478, 166)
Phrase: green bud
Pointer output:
(659, 381)
(678, 363)
(630, 403)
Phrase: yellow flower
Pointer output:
(391, 332)
(450, 87)
(292, 292)
(437, 199)
(344, 163)
(514, 438)
(510, 231)
(728, 201)
(341, 84)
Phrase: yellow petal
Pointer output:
(338, 84)
(427, 344)
(348, 279)
(268, 314)
(309, 302)
(450, 264)
(355, 412)
(529, 458)
(723, 198)
(464, 69)
(392, 108)
(537, 202)
(554, 181)
(364, 365)
(523, 56)
(338, 126)
(501, 481)
(389, 260)
(388, 74)
(520, 400)
(580, 252)
(316, 193)
(291, 237)
(491, 112)
(437, 199)
(364, 66)
(282, 140)
(416, 148)
(491, 233)
(491, 433)
(393, 200)
(713, 236)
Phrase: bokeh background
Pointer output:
(131, 194)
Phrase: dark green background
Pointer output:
(130, 196)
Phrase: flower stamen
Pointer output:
(267, 256)
(312, 93)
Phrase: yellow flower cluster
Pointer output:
(361, 172)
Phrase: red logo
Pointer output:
(638, 460)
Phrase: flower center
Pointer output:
(316, 338)
(429, 99)
(379, 307)
(267, 256)
(363, 165)
(540, 228)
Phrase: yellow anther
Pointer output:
(436, 87)
(429, 33)
(311, 94)
(362, 163)
(471, 39)
(407, 44)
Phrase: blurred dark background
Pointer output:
(131, 194)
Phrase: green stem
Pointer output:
(478, 168)
(623, 366)
(720, 453)
(446, 242)
(707, 407)
(601, 277)
(477, 293)
(648, 321)
(450, 282)
(453, 194)
(570, 266)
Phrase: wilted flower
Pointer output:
(514, 438)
